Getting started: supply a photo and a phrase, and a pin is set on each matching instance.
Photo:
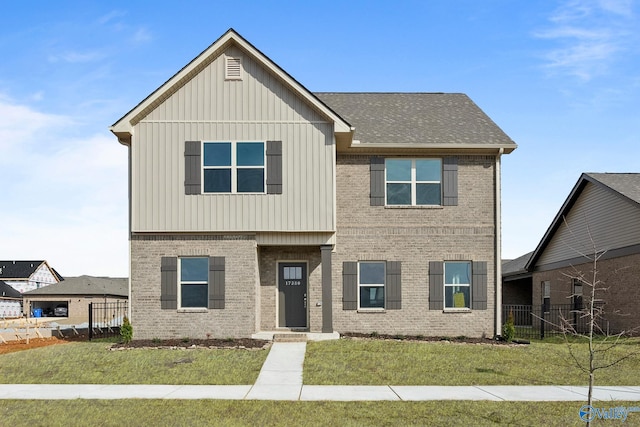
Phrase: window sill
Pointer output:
(457, 310)
(193, 310)
(414, 207)
(372, 310)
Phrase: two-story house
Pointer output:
(257, 205)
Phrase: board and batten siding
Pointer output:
(612, 222)
(257, 108)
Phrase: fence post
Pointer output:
(90, 321)
(542, 322)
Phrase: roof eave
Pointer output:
(503, 148)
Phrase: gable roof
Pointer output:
(86, 285)
(124, 126)
(623, 185)
(515, 268)
(22, 270)
(8, 291)
(418, 120)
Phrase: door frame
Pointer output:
(306, 278)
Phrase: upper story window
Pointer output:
(234, 167)
(413, 182)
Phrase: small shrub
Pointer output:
(186, 339)
(126, 330)
(156, 340)
(399, 337)
(373, 334)
(509, 329)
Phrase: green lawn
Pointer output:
(267, 413)
(94, 363)
(377, 362)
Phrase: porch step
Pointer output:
(290, 337)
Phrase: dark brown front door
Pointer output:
(292, 295)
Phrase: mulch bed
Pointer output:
(239, 343)
(461, 339)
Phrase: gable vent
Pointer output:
(233, 69)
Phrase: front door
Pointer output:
(292, 295)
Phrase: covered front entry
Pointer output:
(292, 295)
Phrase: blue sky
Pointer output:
(561, 78)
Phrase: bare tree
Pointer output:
(601, 342)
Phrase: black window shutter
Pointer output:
(479, 286)
(393, 286)
(436, 285)
(450, 181)
(274, 167)
(349, 285)
(192, 167)
(216, 282)
(169, 283)
(376, 174)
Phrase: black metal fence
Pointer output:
(538, 321)
(105, 318)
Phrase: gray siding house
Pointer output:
(600, 216)
(257, 205)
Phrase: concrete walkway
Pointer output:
(281, 379)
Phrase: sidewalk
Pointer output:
(281, 379)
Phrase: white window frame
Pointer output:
(234, 166)
(374, 285)
(413, 181)
(468, 285)
(190, 282)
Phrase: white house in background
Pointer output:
(24, 276)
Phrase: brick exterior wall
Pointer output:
(620, 277)
(416, 236)
(239, 318)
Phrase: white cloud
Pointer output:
(64, 196)
(588, 36)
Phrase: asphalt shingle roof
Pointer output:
(427, 118)
(627, 184)
(18, 269)
(86, 285)
(8, 291)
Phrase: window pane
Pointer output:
(398, 170)
(217, 180)
(456, 296)
(372, 273)
(372, 297)
(217, 154)
(457, 273)
(428, 170)
(428, 194)
(194, 295)
(398, 194)
(250, 180)
(194, 269)
(250, 153)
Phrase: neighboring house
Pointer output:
(602, 214)
(75, 294)
(25, 276)
(516, 281)
(10, 301)
(257, 205)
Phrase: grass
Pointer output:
(269, 413)
(376, 362)
(93, 363)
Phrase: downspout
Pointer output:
(498, 245)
